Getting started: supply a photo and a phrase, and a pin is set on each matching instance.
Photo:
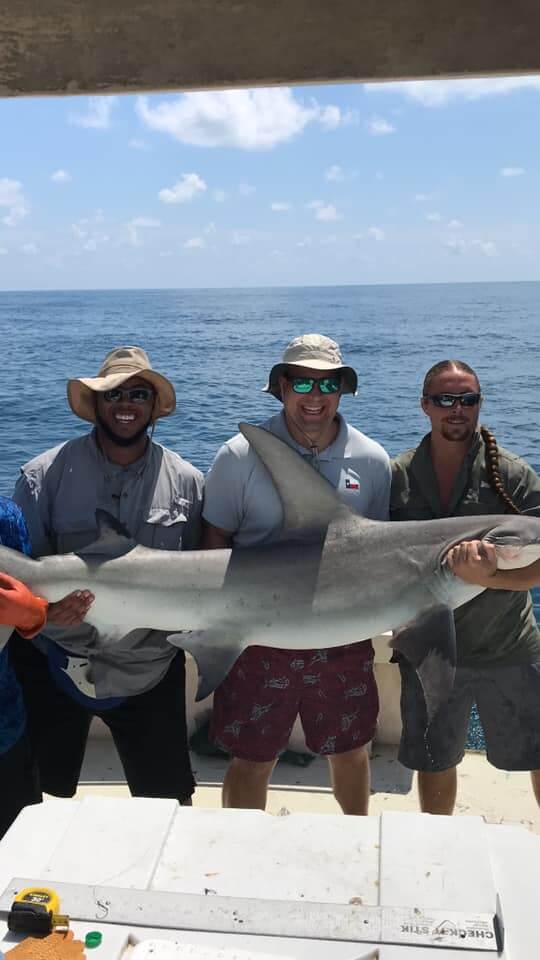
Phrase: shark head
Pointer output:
(516, 541)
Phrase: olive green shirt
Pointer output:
(498, 627)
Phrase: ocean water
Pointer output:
(217, 346)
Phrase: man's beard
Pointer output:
(458, 433)
(122, 441)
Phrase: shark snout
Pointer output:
(517, 543)
(511, 556)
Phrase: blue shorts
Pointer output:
(508, 702)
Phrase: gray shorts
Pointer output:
(508, 702)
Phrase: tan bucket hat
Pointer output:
(118, 366)
(314, 351)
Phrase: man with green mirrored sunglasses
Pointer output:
(333, 691)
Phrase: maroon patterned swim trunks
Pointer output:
(334, 691)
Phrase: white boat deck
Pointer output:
(483, 791)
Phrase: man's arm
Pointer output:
(215, 538)
(191, 537)
(475, 561)
(379, 508)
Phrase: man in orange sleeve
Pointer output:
(19, 608)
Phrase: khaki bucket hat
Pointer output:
(314, 351)
(118, 366)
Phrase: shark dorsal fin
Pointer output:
(113, 539)
(309, 501)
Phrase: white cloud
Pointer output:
(220, 196)
(30, 248)
(376, 233)
(12, 197)
(455, 245)
(86, 230)
(458, 245)
(188, 187)
(61, 176)
(488, 248)
(246, 189)
(433, 217)
(306, 242)
(95, 241)
(3, 251)
(455, 224)
(335, 173)
(195, 243)
(240, 238)
(210, 230)
(327, 212)
(512, 171)
(379, 127)
(324, 211)
(379, 175)
(98, 115)
(137, 224)
(437, 93)
(331, 117)
(146, 222)
(247, 119)
(136, 144)
(420, 197)
(280, 207)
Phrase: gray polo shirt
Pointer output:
(498, 627)
(158, 499)
(240, 496)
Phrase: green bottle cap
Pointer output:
(93, 939)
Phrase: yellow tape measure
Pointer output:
(36, 910)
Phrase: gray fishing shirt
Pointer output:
(158, 499)
(498, 627)
(240, 496)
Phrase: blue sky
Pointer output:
(426, 181)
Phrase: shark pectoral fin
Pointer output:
(429, 644)
(214, 656)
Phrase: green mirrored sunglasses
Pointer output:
(306, 384)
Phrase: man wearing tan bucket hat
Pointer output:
(334, 690)
(137, 685)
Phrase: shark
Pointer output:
(333, 578)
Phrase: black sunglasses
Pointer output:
(132, 394)
(306, 384)
(448, 400)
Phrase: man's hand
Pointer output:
(19, 607)
(474, 561)
(71, 611)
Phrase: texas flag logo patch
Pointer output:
(351, 484)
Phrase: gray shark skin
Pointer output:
(335, 578)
